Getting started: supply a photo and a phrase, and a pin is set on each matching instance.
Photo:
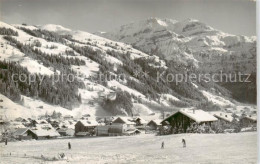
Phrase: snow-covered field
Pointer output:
(145, 148)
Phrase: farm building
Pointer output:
(154, 124)
(84, 126)
(127, 122)
(184, 118)
(249, 121)
(24, 134)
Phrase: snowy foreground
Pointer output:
(201, 148)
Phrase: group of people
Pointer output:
(183, 143)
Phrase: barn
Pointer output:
(185, 118)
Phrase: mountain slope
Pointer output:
(97, 65)
(190, 41)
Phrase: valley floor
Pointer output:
(145, 148)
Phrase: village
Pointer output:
(185, 120)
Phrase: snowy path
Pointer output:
(201, 148)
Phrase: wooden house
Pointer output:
(224, 118)
(85, 126)
(154, 124)
(140, 121)
(184, 118)
(249, 121)
(44, 131)
(127, 122)
(24, 134)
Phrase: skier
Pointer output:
(184, 142)
(69, 145)
(162, 145)
(6, 142)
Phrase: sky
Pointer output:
(231, 16)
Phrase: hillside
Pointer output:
(190, 41)
(193, 43)
(50, 53)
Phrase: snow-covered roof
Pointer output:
(156, 121)
(41, 121)
(253, 118)
(225, 116)
(17, 125)
(44, 126)
(142, 121)
(126, 120)
(44, 132)
(196, 115)
(20, 131)
(89, 122)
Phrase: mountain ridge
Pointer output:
(50, 49)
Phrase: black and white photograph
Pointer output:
(128, 81)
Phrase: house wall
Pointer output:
(110, 130)
(79, 127)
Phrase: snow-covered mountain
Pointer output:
(50, 50)
(189, 41)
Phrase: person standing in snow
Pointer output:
(184, 142)
(162, 147)
(6, 142)
(69, 145)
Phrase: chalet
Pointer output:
(225, 118)
(85, 126)
(40, 133)
(249, 121)
(127, 122)
(24, 134)
(154, 124)
(140, 121)
(44, 131)
(184, 118)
